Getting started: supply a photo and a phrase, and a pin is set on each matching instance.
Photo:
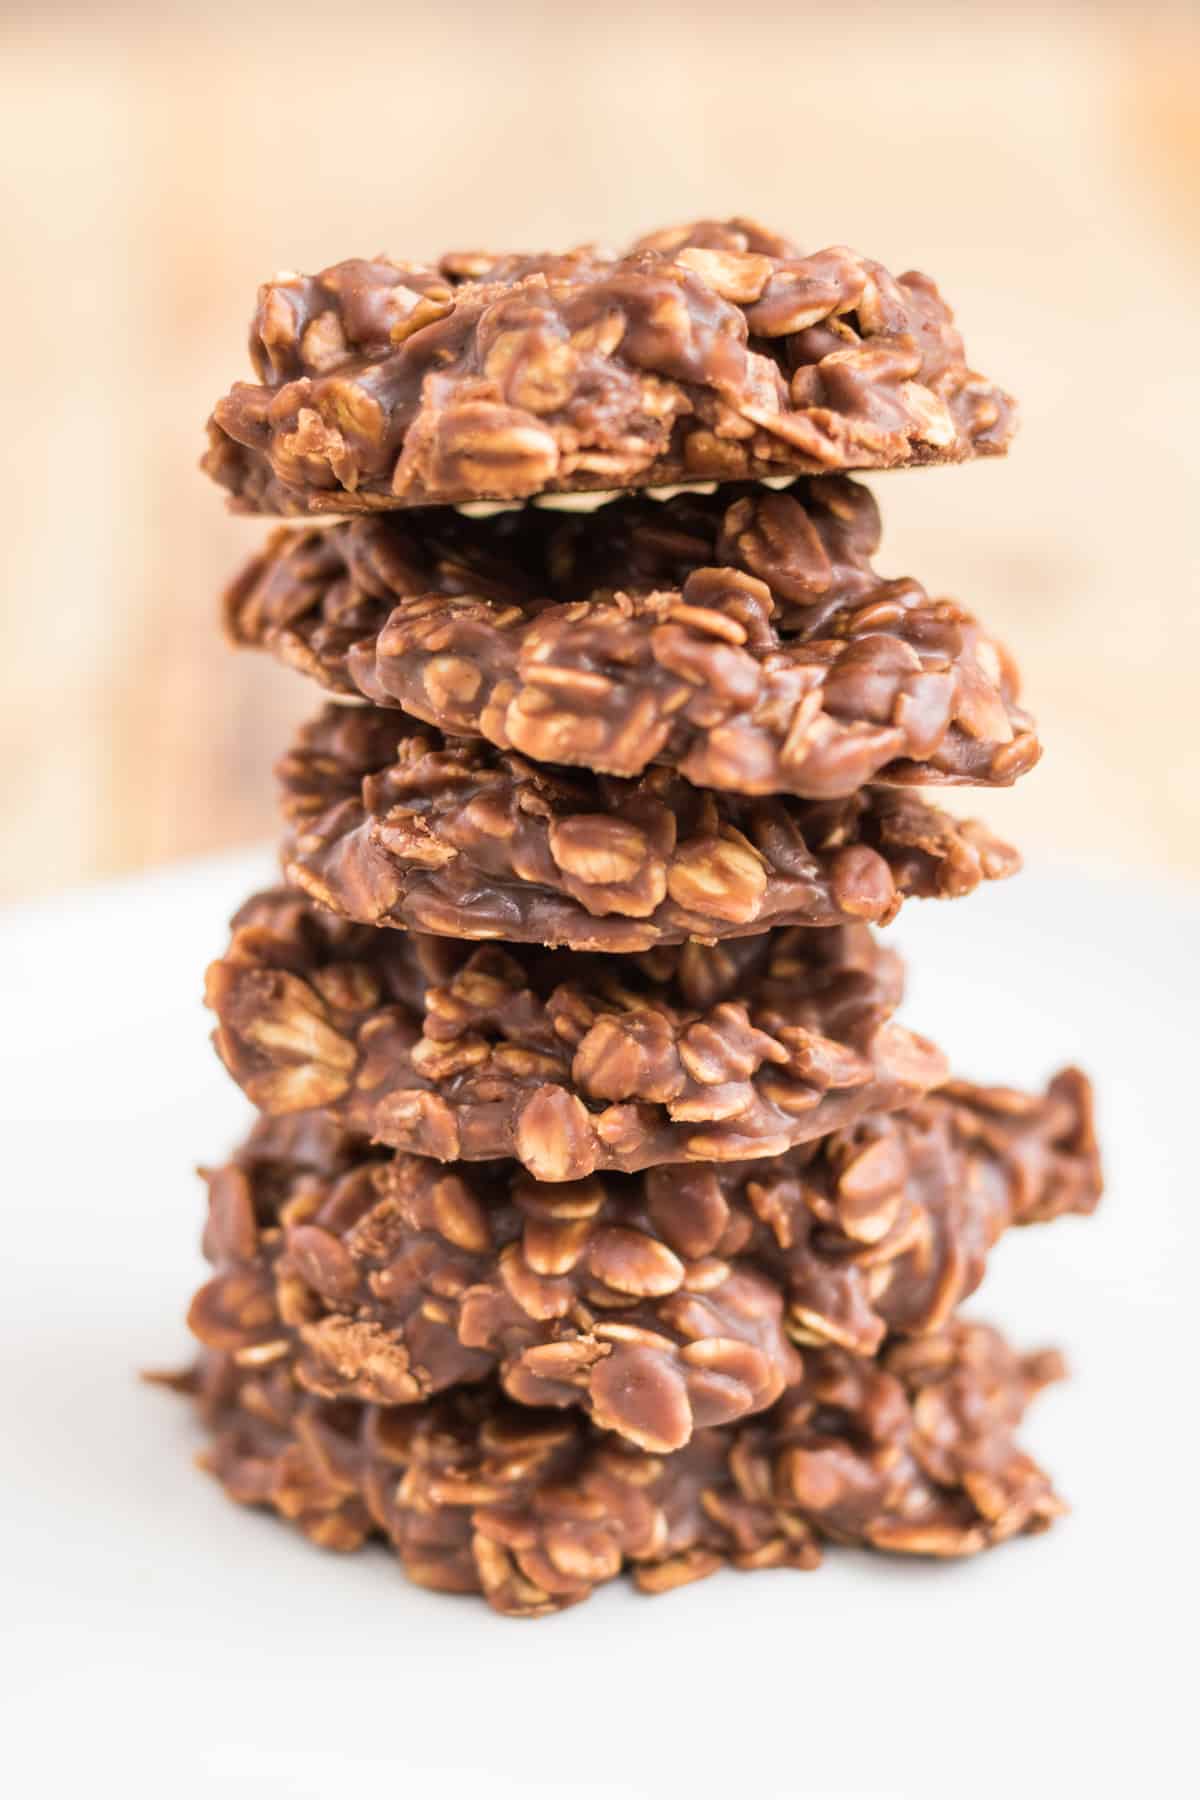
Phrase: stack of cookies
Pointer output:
(599, 1213)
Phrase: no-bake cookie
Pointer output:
(913, 1453)
(698, 354)
(742, 638)
(393, 825)
(663, 1302)
(566, 1061)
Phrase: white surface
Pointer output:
(159, 1641)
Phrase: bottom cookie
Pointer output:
(912, 1451)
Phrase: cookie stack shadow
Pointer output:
(599, 1213)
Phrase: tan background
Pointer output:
(157, 162)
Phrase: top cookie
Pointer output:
(709, 352)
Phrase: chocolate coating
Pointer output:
(397, 826)
(742, 638)
(566, 1061)
(693, 356)
(661, 1303)
(913, 1453)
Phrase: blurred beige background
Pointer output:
(1043, 163)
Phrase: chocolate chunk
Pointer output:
(741, 638)
(912, 1453)
(662, 1303)
(384, 384)
(398, 826)
(568, 1062)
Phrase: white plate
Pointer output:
(162, 1642)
